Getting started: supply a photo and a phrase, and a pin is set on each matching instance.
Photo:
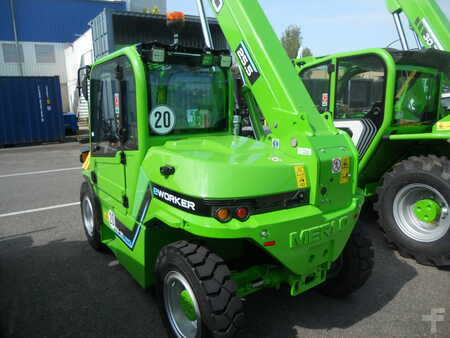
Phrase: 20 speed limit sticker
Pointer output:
(162, 120)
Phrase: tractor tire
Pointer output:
(415, 234)
(354, 267)
(91, 216)
(197, 298)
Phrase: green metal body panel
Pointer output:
(303, 240)
(427, 19)
(393, 142)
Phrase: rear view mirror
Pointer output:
(83, 81)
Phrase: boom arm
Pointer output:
(270, 74)
(426, 18)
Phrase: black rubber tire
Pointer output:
(433, 171)
(221, 310)
(94, 239)
(356, 265)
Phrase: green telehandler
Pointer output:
(394, 104)
(204, 216)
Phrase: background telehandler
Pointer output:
(395, 106)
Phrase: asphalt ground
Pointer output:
(52, 284)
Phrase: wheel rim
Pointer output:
(409, 213)
(88, 215)
(181, 306)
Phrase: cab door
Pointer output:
(107, 151)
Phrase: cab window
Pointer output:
(317, 81)
(186, 99)
(360, 88)
(415, 99)
(113, 107)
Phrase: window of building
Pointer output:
(45, 53)
(12, 54)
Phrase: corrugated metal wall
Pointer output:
(31, 65)
(112, 30)
(30, 110)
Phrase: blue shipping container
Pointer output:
(30, 110)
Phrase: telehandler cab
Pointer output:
(393, 104)
(205, 216)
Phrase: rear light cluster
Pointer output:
(226, 214)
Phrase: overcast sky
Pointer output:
(328, 26)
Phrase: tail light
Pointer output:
(241, 214)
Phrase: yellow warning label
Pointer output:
(345, 172)
(443, 126)
(300, 176)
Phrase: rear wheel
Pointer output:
(195, 292)
(353, 268)
(413, 207)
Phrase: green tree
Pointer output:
(307, 52)
(292, 40)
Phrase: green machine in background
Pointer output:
(394, 104)
(205, 216)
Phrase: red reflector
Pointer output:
(271, 243)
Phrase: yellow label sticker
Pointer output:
(443, 126)
(345, 172)
(300, 175)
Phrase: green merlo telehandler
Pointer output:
(204, 216)
(395, 106)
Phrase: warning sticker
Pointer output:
(336, 166)
(116, 103)
(300, 175)
(443, 126)
(345, 172)
(304, 151)
(324, 99)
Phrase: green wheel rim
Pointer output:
(181, 306)
(421, 212)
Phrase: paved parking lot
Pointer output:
(52, 284)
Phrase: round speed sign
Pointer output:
(162, 120)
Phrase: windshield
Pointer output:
(187, 99)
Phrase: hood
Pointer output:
(222, 167)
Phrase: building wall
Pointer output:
(53, 24)
(51, 20)
(77, 55)
(33, 66)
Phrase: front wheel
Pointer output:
(196, 295)
(413, 207)
(91, 216)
